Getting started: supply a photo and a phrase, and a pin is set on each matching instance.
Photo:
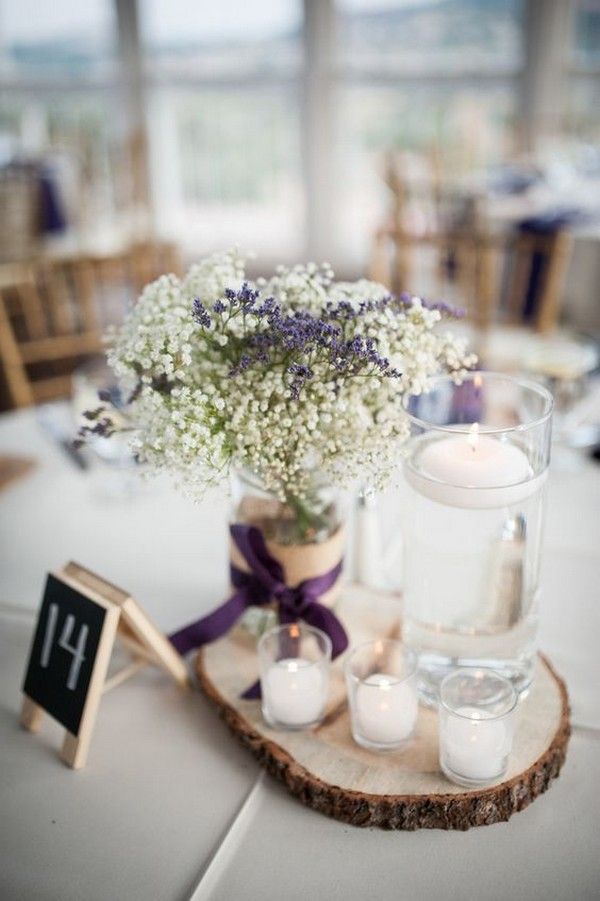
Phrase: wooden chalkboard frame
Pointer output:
(145, 642)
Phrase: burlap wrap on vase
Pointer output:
(303, 561)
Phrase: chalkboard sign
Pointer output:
(72, 645)
(64, 652)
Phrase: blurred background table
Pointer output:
(168, 805)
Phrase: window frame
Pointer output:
(318, 82)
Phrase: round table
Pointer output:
(168, 806)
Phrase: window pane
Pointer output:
(225, 39)
(583, 108)
(66, 38)
(227, 168)
(395, 36)
(586, 49)
(70, 131)
(458, 127)
(225, 122)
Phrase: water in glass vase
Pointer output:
(471, 558)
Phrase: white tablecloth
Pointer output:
(169, 807)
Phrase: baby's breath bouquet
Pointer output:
(286, 377)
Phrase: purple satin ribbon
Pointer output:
(265, 583)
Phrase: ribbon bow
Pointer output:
(265, 583)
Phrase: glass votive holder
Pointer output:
(476, 726)
(294, 661)
(381, 684)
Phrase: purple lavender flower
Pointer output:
(269, 309)
(299, 339)
(200, 313)
(341, 311)
(444, 308)
(103, 426)
(244, 362)
(301, 374)
(245, 297)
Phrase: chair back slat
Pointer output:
(53, 314)
(518, 259)
(556, 272)
(15, 373)
(519, 277)
(59, 297)
(31, 307)
(84, 284)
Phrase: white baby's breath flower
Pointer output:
(198, 408)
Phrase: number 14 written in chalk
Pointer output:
(78, 650)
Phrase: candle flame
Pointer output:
(294, 630)
(473, 436)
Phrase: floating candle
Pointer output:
(472, 470)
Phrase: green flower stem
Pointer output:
(309, 520)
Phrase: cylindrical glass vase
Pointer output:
(475, 473)
(305, 534)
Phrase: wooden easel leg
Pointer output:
(31, 715)
(75, 750)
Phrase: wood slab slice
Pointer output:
(405, 789)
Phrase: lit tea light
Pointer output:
(294, 662)
(475, 746)
(294, 692)
(382, 694)
(476, 725)
(386, 709)
(451, 466)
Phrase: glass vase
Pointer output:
(475, 473)
(306, 535)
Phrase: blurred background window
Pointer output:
(58, 70)
(272, 123)
(61, 39)
(224, 85)
(436, 80)
(431, 37)
(583, 109)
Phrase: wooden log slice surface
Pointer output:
(403, 789)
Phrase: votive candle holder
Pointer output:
(294, 661)
(382, 694)
(477, 713)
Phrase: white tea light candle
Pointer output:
(386, 709)
(475, 746)
(476, 725)
(294, 692)
(294, 662)
(382, 694)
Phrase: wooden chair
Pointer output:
(53, 313)
(490, 275)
